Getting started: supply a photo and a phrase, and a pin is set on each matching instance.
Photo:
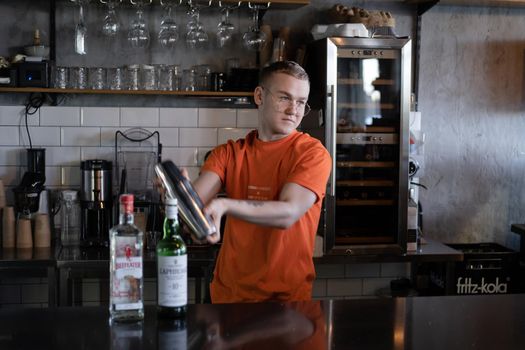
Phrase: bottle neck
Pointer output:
(171, 227)
(126, 216)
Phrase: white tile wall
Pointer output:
(247, 118)
(226, 134)
(198, 137)
(14, 115)
(56, 156)
(89, 136)
(59, 116)
(10, 155)
(179, 117)
(139, 117)
(100, 116)
(9, 136)
(210, 117)
(181, 156)
(41, 136)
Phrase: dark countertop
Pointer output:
(453, 322)
(429, 251)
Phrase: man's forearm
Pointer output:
(280, 214)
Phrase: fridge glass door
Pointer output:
(367, 145)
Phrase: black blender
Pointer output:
(95, 203)
(27, 193)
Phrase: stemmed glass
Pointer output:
(81, 29)
(196, 37)
(111, 24)
(138, 35)
(169, 30)
(225, 28)
(254, 39)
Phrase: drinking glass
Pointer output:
(169, 30)
(133, 76)
(225, 28)
(97, 78)
(138, 35)
(189, 79)
(203, 77)
(254, 39)
(149, 77)
(177, 77)
(78, 76)
(61, 77)
(110, 24)
(165, 78)
(115, 78)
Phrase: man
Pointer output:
(274, 180)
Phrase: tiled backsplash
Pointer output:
(73, 134)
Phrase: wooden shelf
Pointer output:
(365, 183)
(128, 92)
(360, 82)
(366, 164)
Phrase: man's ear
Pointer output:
(257, 95)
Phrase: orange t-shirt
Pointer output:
(258, 263)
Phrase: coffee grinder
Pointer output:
(95, 203)
(27, 193)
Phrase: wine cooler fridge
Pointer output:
(360, 92)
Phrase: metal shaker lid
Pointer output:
(189, 202)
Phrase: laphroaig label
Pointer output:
(126, 289)
(172, 278)
(466, 286)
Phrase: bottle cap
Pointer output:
(127, 201)
(171, 201)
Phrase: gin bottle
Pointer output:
(172, 267)
(126, 266)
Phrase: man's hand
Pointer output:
(216, 209)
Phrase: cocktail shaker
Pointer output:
(190, 204)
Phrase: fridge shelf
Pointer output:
(365, 183)
(365, 129)
(366, 105)
(366, 164)
(364, 202)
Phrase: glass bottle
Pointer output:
(70, 223)
(126, 301)
(172, 267)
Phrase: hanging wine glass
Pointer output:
(169, 30)
(111, 24)
(196, 37)
(225, 28)
(255, 39)
(138, 35)
(81, 29)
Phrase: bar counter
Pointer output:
(448, 322)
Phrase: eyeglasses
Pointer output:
(283, 102)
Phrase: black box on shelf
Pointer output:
(10, 73)
(487, 268)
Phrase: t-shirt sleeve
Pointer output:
(312, 170)
(217, 161)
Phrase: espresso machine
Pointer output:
(27, 193)
(95, 203)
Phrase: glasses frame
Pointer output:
(280, 101)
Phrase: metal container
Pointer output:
(96, 180)
(190, 204)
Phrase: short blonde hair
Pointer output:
(287, 67)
